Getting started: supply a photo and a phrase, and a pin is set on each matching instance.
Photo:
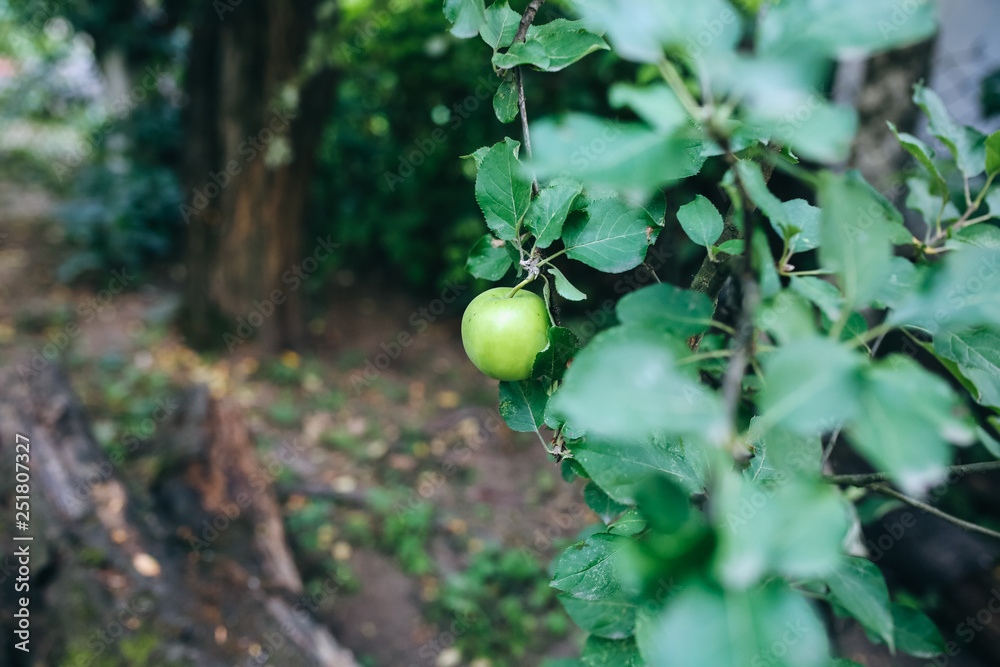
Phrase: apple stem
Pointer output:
(522, 284)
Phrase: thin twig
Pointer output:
(522, 107)
(972, 207)
(836, 434)
(732, 380)
(869, 479)
(930, 509)
(526, 19)
(707, 279)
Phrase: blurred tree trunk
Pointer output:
(247, 169)
(885, 94)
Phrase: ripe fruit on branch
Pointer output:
(502, 335)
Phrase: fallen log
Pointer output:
(112, 578)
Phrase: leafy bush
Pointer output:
(387, 186)
(724, 527)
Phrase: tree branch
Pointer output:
(522, 107)
(526, 19)
(732, 381)
(878, 477)
(886, 490)
(708, 280)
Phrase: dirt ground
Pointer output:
(425, 429)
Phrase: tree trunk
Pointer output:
(885, 94)
(247, 170)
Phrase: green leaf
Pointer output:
(565, 288)
(780, 102)
(502, 190)
(522, 405)
(625, 385)
(786, 317)
(753, 182)
(706, 627)
(620, 466)
(701, 221)
(993, 154)
(764, 264)
(857, 231)
(588, 570)
(490, 259)
(684, 313)
(617, 155)
(903, 279)
(977, 236)
(976, 353)
(906, 420)
(915, 633)
(478, 155)
(929, 205)
(612, 617)
(552, 361)
(989, 442)
(466, 16)
(731, 247)
(505, 102)
(613, 237)
(549, 210)
(812, 386)
(632, 523)
(603, 506)
(565, 42)
(792, 529)
(967, 145)
(656, 104)
(829, 26)
(858, 586)
(963, 291)
(598, 652)
(803, 231)
(551, 47)
(780, 455)
(640, 29)
(500, 25)
(824, 295)
(924, 155)
(522, 53)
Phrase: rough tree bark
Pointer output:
(244, 231)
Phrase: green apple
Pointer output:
(502, 335)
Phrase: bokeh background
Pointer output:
(232, 264)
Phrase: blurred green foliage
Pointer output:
(500, 607)
(410, 98)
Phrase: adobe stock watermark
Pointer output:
(968, 630)
(200, 538)
(776, 653)
(710, 31)
(87, 310)
(365, 33)
(902, 12)
(430, 484)
(130, 441)
(421, 149)
(419, 321)
(119, 109)
(294, 277)
(248, 151)
(127, 619)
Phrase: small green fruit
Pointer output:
(502, 336)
